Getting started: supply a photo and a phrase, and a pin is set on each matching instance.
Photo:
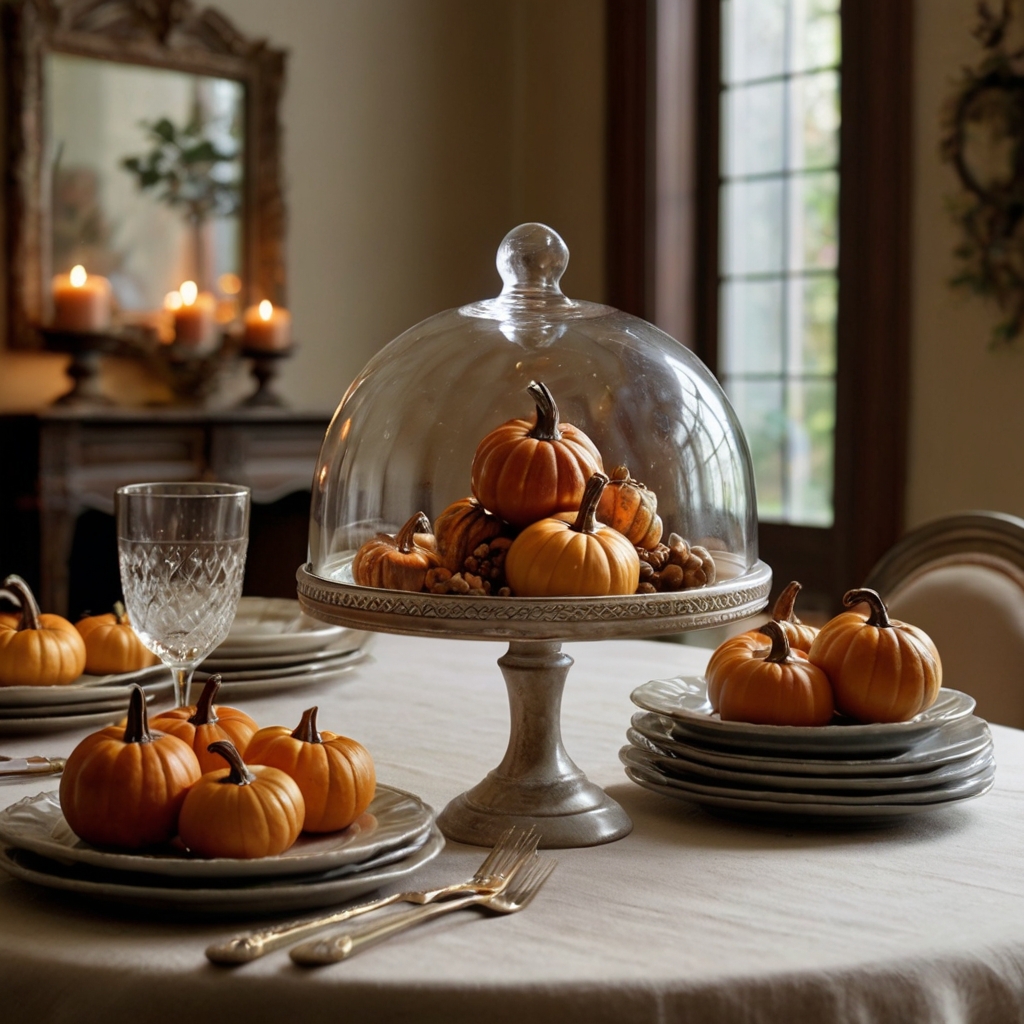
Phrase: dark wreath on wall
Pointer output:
(984, 141)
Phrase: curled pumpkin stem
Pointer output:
(120, 613)
(879, 614)
(27, 600)
(136, 729)
(239, 775)
(406, 539)
(205, 713)
(306, 729)
(779, 654)
(586, 518)
(546, 428)
(783, 610)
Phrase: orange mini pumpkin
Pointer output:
(553, 558)
(111, 645)
(798, 633)
(335, 773)
(461, 528)
(731, 652)
(776, 686)
(38, 650)
(400, 562)
(524, 471)
(882, 670)
(202, 723)
(123, 787)
(242, 810)
(631, 508)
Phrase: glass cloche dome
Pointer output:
(404, 436)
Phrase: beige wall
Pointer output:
(966, 445)
(417, 133)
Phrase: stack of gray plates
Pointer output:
(845, 772)
(393, 838)
(273, 646)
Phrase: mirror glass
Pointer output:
(145, 170)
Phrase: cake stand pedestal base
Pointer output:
(536, 783)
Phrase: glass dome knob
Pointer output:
(531, 261)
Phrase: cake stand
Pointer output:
(536, 784)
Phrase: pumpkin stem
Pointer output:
(120, 613)
(27, 600)
(306, 729)
(586, 518)
(136, 729)
(621, 473)
(780, 645)
(205, 712)
(406, 538)
(783, 610)
(546, 428)
(879, 614)
(239, 774)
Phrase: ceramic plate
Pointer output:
(259, 687)
(952, 742)
(278, 895)
(693, 771)
(393, 819)
(351, 640)
(641, 761)
(83, 690)
(302, 668)
(64, 721)
(274, 625)
(685, 700)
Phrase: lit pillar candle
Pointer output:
(267, 328)
(81, 301)
(194, 319)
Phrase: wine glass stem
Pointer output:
(182, 681)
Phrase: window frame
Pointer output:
(873, 316)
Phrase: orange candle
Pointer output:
(267, 328)
(81, 301)
(194, 319)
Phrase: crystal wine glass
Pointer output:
(181, 547)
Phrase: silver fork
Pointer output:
(517, 893)
(513, 847)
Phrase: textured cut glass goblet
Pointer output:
(181, 548)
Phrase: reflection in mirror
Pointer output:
(145, 173)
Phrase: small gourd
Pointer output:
(553, 558)
(731, 652)
(111, 645)
(524, 471)
(124, 786)
(461, 528)
(398, 562)
(38, 650)
(241, 811)
(882, 670)
(335, 773)
(631, 508)
(776, 686)
(203, 723)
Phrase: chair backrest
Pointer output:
(961, 580)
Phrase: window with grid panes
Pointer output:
(779, 243)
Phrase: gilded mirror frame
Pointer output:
(171, 34)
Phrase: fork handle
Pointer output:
(241, 949)
(345, 944)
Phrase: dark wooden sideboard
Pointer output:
(61, 468)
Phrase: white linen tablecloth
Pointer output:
(690, 918)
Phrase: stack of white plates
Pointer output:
(88, 701)
(273, 646)
(855, 773)
(394, 838)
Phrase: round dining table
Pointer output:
(690, 918)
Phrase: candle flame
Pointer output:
(172, 300)
(78, 276)
(189, 292)
(266, 309)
